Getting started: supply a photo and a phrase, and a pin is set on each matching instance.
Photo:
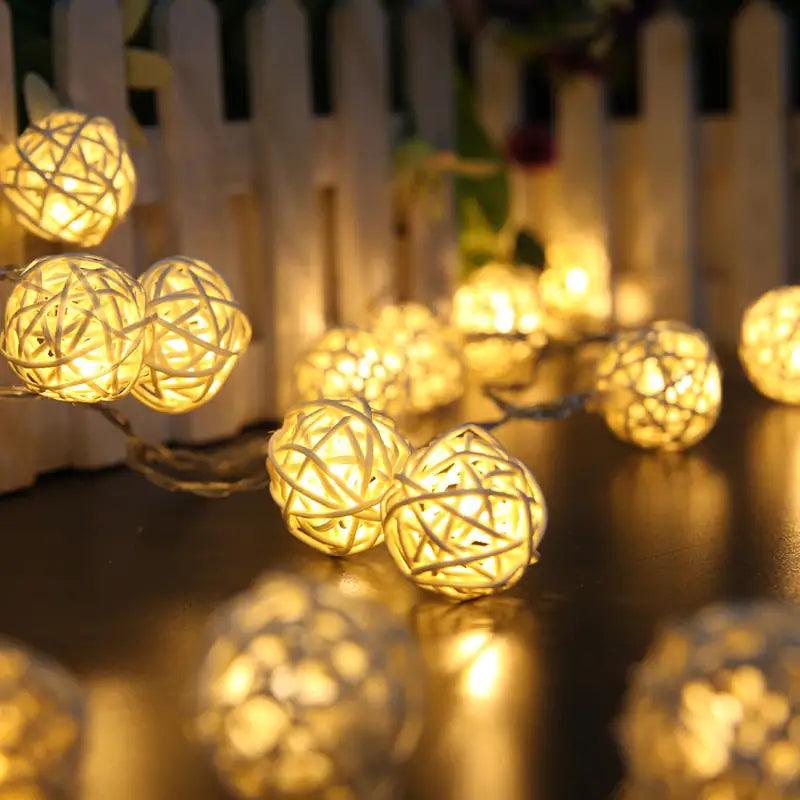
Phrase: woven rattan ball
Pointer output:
(69, 177)
(330, 465)
(769, 344)
(464, 518)
(350, 362)
(431, 348)
(41, 725)
(713, 711)
(306, 692)
(660, 386)
(196, 338)
(74, 328)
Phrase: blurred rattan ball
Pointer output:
(197, 335)
(435, 367)
(41, 726)
(69, 177)
(330, 464)
(769, 344)
(660, 386)
(305, 692)
(74, 328)
(464, 518)
(351, 363)
(713, 711)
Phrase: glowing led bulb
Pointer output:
(435, 368)
(713, 709)
(306, 692)
(769, 344)
(74, 328)
(198, 334)
(463, 518)
(68, 177)
(330, 464)
(352, 363)
(660, 386)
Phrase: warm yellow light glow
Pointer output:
(431, 349)
(352, 363)
(74, 328)
(305, 692)
(41, 719)
(769, 344)
(68, 177)
(330, 465)
(464, 518)
(713, 709)
(633, 306)
(660, 386)
(197, 336)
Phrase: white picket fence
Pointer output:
(295, 210)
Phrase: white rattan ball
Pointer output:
(463, 518)
(69, 177)
(329, 465)
(305, 692)
(660, 386)
(74, 328)
(197, 336)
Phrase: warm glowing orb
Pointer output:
(197, 336)
(435, 368)
(74, 328)
(69, 177)
(307, 693)
(714, 709)
(659, 386)
(769, 344)
(330, 464)
(464, 518)
(352, 363)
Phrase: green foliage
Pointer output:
(133, 16)
(146, 69)
(528, 249)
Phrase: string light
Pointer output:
(463, 518)
(330, 464)
(68, 178)
(41, 723)
(74, 328)
(435, 367)
(305, 692)
(714, 708)
(659, 386)
(197, 336)
(769, 344)
(350, 362)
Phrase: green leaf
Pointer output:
(133, 14)
(40, 99)
(478, 242)
(528, 249)
(146, 69)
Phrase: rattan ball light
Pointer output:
(464, 518)
(351, 362)
(69, 177)
(329, 465)
(41, 724)
(306, 692)
(713, 711)
(435, 367)
(769, 344)
(74, 328)
(659, 386)
(197, 336)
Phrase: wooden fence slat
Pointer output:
(497, 86)
(760, 108)
(291, 290)
(199, 215)
(430, 64)
(670, 142)
(361, 100)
